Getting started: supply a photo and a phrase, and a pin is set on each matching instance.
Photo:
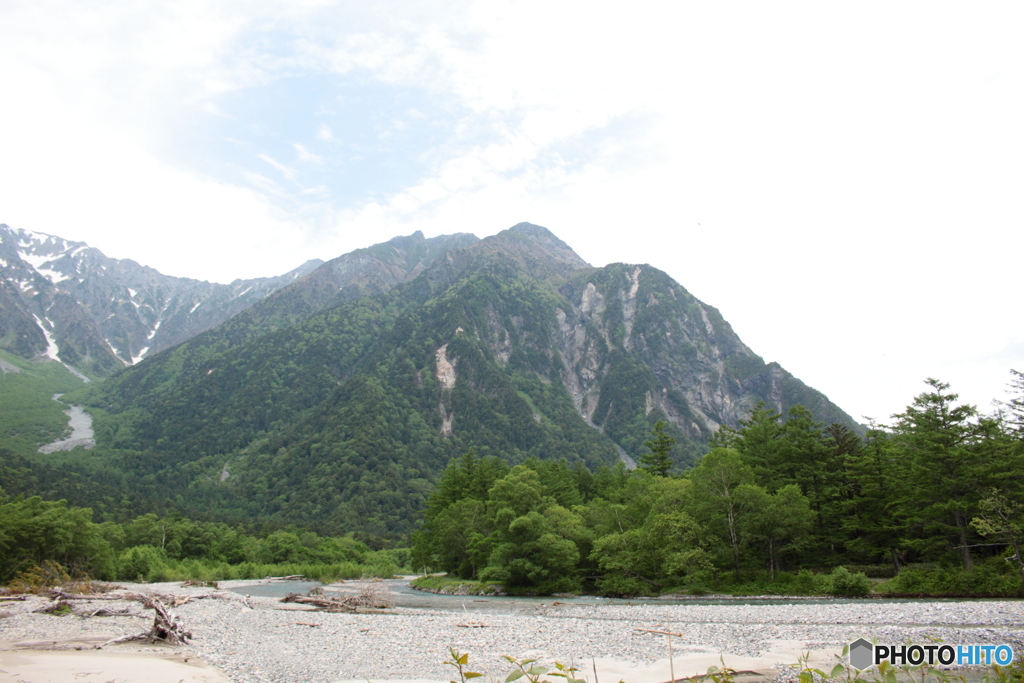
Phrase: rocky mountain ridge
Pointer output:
(72, 303)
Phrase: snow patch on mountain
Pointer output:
(52, 350)
(37, 261)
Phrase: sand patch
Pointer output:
(102, 666)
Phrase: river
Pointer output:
(407, 596)
(81, 431)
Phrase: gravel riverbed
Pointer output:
(260, 639)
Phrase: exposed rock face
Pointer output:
(627, 341)
(446, 378)
(676, 341)
(445, 369)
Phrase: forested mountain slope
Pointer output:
(338, 406)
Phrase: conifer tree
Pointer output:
(658, 462)
(946, 463)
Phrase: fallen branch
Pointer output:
(11, 597)
(58, 594)
(664, 633)
(107, 612)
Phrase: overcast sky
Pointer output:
(844, 181)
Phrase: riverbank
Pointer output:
(260, 639)
(442, 585)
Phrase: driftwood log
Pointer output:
(167, 627)
(322, 602)
(372, 596)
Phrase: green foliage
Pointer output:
(1003, 520)
(522, 669)
(779, 521)
(843, 583)
(991, 579)
(143, 563)
(33, 531)
(949, 462)
(666, 547)
(529, 555)
(448, 586)
(714, 502)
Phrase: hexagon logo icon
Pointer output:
(862, 654)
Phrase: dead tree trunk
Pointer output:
(167, 626)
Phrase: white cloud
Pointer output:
(305, 155)
(841, 182)
(287, 171)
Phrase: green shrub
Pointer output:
(842, 582)
(246, 570)
(139, 562)
(617, 586)
(807, 582)
(989, 579)
(873, 571)
(384, 570)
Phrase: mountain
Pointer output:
(337, 400)
(69, 301)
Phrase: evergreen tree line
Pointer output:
(941, 486)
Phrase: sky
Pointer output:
(843, 181)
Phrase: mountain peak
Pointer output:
(541, 235)
(532, 245)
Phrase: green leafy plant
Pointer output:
(460, 660)
(526, 669)
(532, 671)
